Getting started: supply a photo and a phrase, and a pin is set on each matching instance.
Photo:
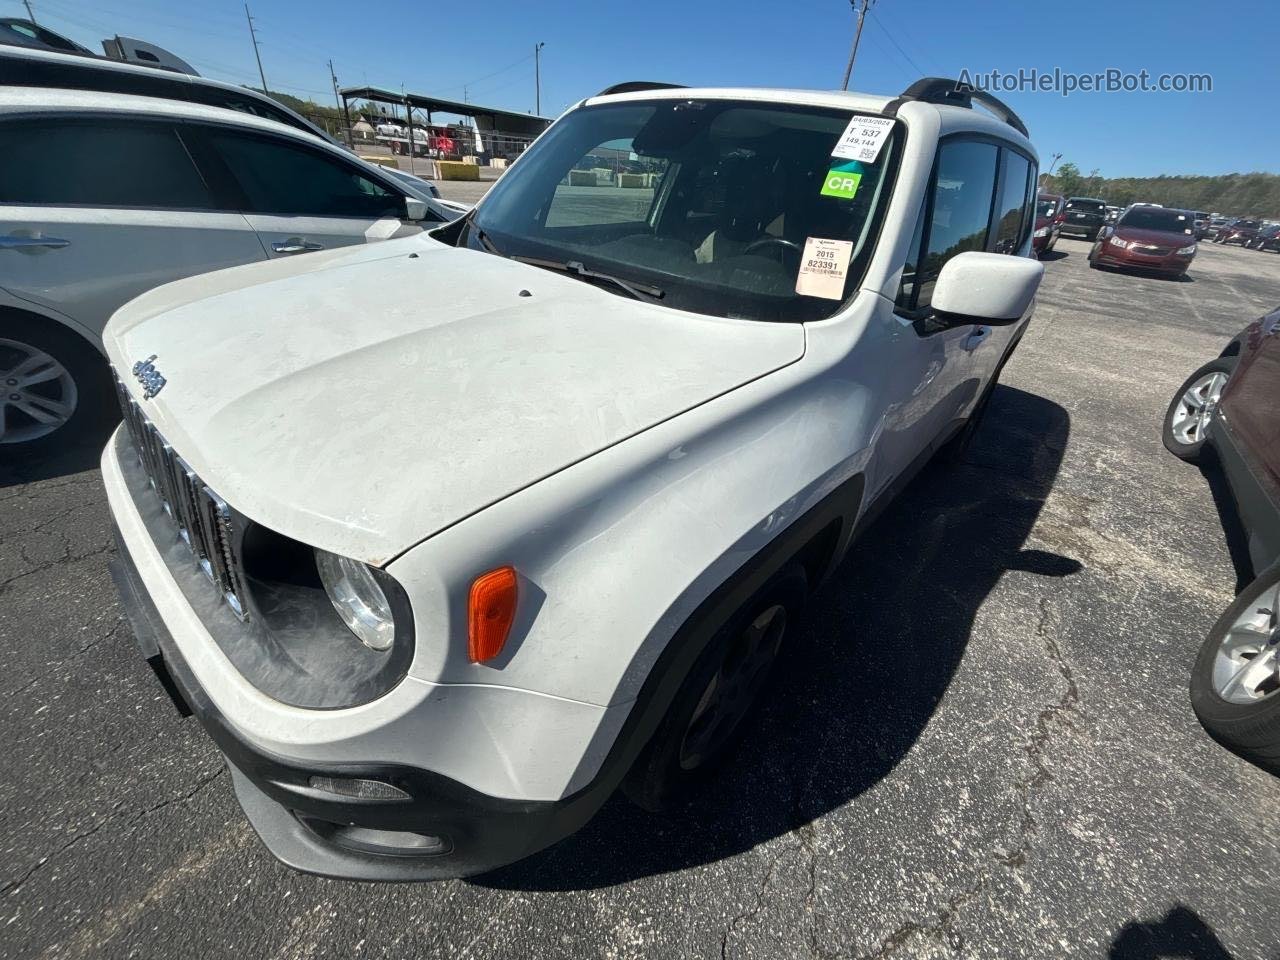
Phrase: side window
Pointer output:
(1011, 212)
(277, 177)
(964, 185)
(128, 163)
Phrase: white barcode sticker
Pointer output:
(823, 268)
(863, 138)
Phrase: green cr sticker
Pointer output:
(842, 180)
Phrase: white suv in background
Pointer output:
(104, 196)
(444, 539)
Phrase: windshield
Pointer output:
(1248, 224)
(1157, 218)
(1046, 208)
(1087, 206)
(710, 202)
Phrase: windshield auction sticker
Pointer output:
(823, 268)
(862, 139)
(842, 180)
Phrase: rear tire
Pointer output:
(1235, 686)
(1190, 412)
(709, 713)
(56, 388)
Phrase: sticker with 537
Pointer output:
(863, 138)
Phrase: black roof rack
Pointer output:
(957, 94)
(634, 86)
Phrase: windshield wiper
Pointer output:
(483, 238)
(639, 291)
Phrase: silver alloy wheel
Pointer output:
(1246, 668)
(38, 394)
(1190, 423)
(729, 694)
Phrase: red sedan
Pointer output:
(1159, 239)
(1048, 215)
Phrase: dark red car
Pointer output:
(1238, 231)
(1159, 239)
(1232, 406)
(1049, 208)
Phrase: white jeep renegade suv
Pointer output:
(446, 538)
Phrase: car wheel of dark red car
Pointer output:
(1186, 422)
(1235, 683)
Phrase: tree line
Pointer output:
(1234, 194)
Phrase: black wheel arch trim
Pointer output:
(838, 509)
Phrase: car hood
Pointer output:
(1155, 238)
(361, 401)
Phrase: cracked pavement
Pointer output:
(980, 745)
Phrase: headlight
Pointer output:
(358, 598)
(1042, 232)
(1187, 250)
(1117, 242)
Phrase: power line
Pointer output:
(898, 46)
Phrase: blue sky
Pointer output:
(440, 47)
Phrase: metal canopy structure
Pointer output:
(491, 122)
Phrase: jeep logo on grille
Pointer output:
(146, 374)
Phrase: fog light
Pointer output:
(389, 843)
(358, 789)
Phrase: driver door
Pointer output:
(937, 378)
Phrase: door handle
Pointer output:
(296, 245)
(977, 338)
(12, 242)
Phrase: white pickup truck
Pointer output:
(446, 538)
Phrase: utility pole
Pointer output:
(537, 79)
(253, 34)
(342, 105)
(853, 52)
(30, 16)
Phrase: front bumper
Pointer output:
(1127, 260)
(310, 829)
(1070, 229)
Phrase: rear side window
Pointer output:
(129, 163)
(280, 178)
(1011, 209)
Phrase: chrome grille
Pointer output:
(1155, 251)
(202, 517)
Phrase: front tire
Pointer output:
(54, 388)
(1190, 413)
(1235, 683)
(707, 716)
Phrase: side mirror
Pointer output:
(415, 209)
(986, 288)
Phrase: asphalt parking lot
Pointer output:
(981, 745)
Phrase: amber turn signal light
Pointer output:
(490, 613)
